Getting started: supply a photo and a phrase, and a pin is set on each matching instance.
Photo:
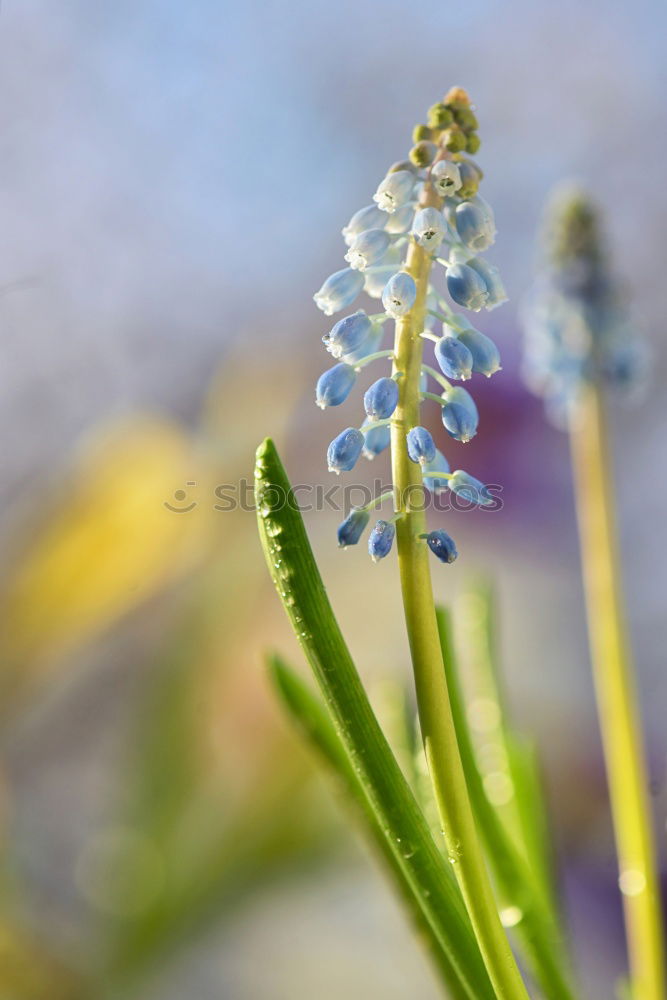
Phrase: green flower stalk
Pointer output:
(443, 221)
(578, 341)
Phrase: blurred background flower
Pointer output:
(168, 173)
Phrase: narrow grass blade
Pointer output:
(523, 813)
(312, 719)
(297, 579)
(522, 900)
(533, 813)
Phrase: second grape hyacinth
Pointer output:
(430, 201)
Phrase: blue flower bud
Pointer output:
(429, 228)
(376, 439)
(376, 279)
(421, 446)
(369, 217)
(433, 474)
(339, 291)
(401, 220)
(485, 354)
(474, 227)
(399, 294)
(368, 248)
(344, 450)
(454, 358)
(484, 207)
(442, 546)
(395, 190)
(352, 528)
(491, 277)
(459, 414)
(348, 335)
(469, 488)
(466, 286)
(446, 177)
(381, 399)
(369, 345)
(334, 385)
(380, 540)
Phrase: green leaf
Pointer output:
(522, 899)
(525, 815)
(426, 873)
(533, 815)
(312, 719)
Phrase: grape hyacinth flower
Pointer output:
(395, 190)
(470, 489)
(467, 287)
(459, 414)
(483, 352)
(423, 257)
(349, 335)
(446, 177)
(381, 399)
(399, 294)
(339, 291)
(454, 358)
(495, 290)
(474, 226)
(442, 546)
(429, 228)
(344, 450)
(579, 342)
(421, 446)
(427, 205)
(437, 474)
(352, 528)
(399, 222)
(577, 328)
(377, 438)
(368, 248)
(370, 217)
(381, 540)
(335, 385)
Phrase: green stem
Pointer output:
(377, 500)
(437, 725)
(434, 397)
(617, 702)
(358, 365)
(440, 379)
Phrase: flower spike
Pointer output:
(428, 204)
(577, 325)
(433, 212)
